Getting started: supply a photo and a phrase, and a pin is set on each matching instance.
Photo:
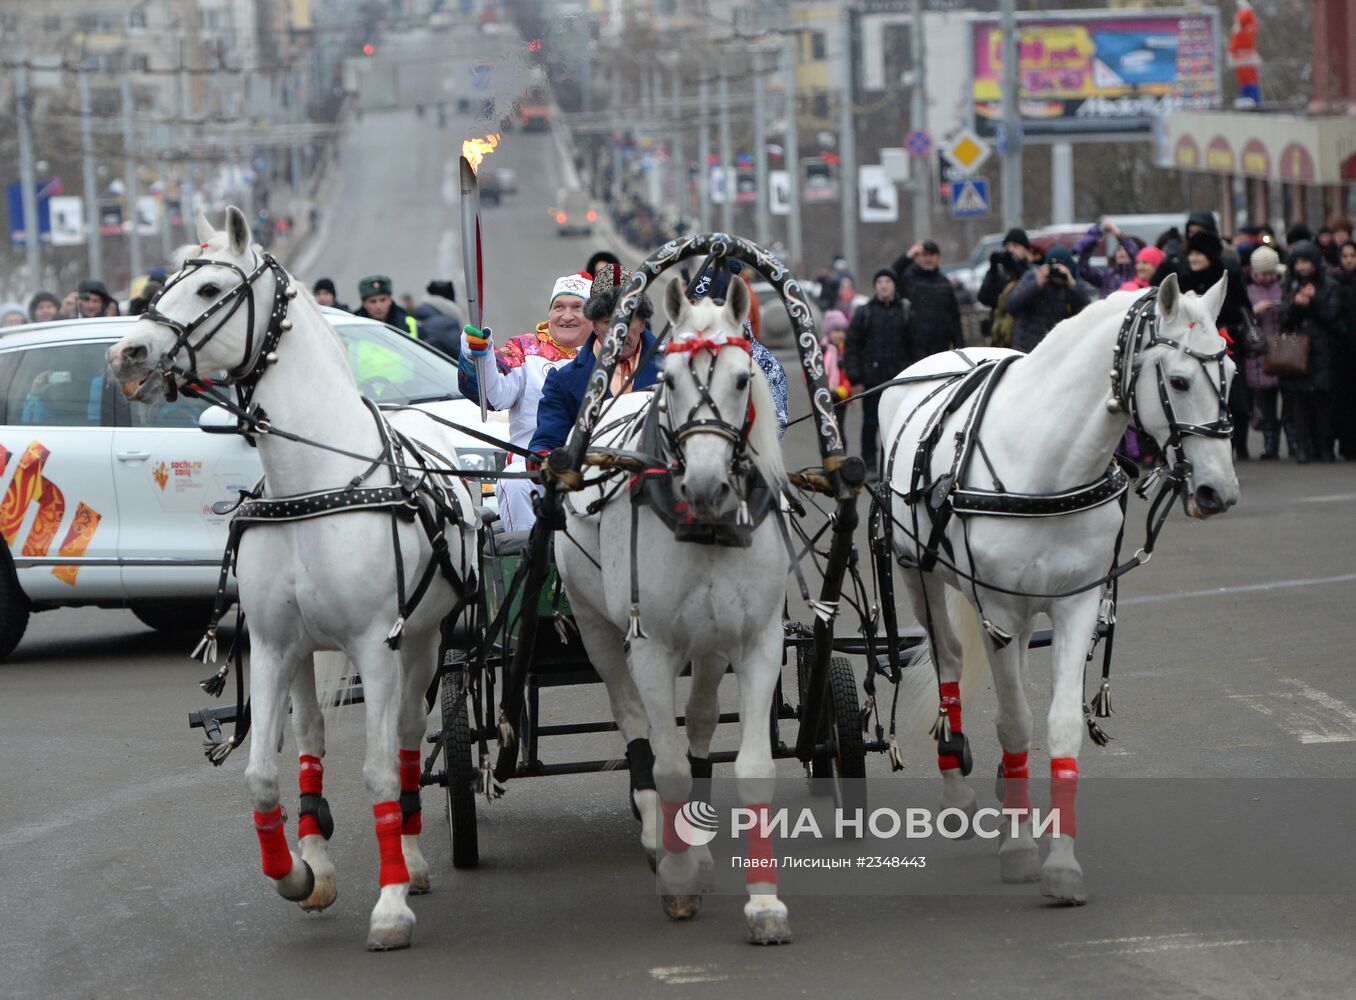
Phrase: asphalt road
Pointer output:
(129, 867)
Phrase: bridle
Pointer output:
(258, 355)
(738, 435)
(1126, 366)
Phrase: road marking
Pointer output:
(1244, 588)
(1313, 716)
(1150, 944)
(676, 975)
(1329, 498)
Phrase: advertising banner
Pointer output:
(1090, 72)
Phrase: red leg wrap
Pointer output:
(673, 843)
(273, 843)
(413, 824)
(393, 870)
(312, 781)
(950, 691)
(1016, 783)
(760, 869)
(1063, 788)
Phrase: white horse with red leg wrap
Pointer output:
(1052, 423)
(707, 605)
(321, 584)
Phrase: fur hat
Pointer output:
(1206, 241)
(607, 287)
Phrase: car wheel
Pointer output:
(176, 616)
(13, 605)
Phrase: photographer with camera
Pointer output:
(1044, 297)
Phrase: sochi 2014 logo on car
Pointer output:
(695, 823)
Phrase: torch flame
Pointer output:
(476, 150)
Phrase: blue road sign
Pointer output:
(969, 198)
(919, 143)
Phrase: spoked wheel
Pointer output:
(840, 769)
(461, 775)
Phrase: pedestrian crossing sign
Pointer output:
(969, 198)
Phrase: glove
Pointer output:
(478, 342)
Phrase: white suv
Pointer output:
(109, 503)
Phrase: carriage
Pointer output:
(511, 634)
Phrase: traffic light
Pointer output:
(534, 45)
(369, 48)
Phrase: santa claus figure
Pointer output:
(1243, 56)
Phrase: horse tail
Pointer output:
(334, 672)
(919, 682)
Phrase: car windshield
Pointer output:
(394, 368)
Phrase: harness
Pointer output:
(945, 495)
(413, 494)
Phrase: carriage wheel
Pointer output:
(461, 776)
(840, 728)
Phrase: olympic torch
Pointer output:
(473, 151)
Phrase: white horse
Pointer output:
(707, 605)
(326, 583)
(1052, 423)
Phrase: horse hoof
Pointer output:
(322, 897)
(769, 928)
(419, 884)
(390, 938)
(298, 884)
(681, 907)
(1064, 886)
(1020, 864)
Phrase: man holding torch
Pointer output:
(511, 379)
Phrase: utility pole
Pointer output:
(27, 182)
(679, 153)
(791, 142)
(726, 153)
(130, 176)
(1012, 124)
(92, 239)
(847, 141)
(762, 222)
(918, 114)
(703, 153)
(294, 115)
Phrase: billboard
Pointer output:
(1090, 72)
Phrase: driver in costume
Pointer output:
(515, 378)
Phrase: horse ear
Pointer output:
(1213, 300)
(675, 303)
(1169, 298)
(238, 230)
(738, 304)
(205, 230)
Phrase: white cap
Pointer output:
(579, 284)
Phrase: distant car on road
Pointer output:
(574, 213)
(490, 191)
(508, 180)
(109, 503)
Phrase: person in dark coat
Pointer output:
(94, 298)
(1344, 359)
(1175, 246)
(1312, 305)
(936, 324)
(439, 324)
(43, 307)
(1005, 266)
(1205, 265)
(377, 304)
(878, 349)
(325, 295)
(1046, 296)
